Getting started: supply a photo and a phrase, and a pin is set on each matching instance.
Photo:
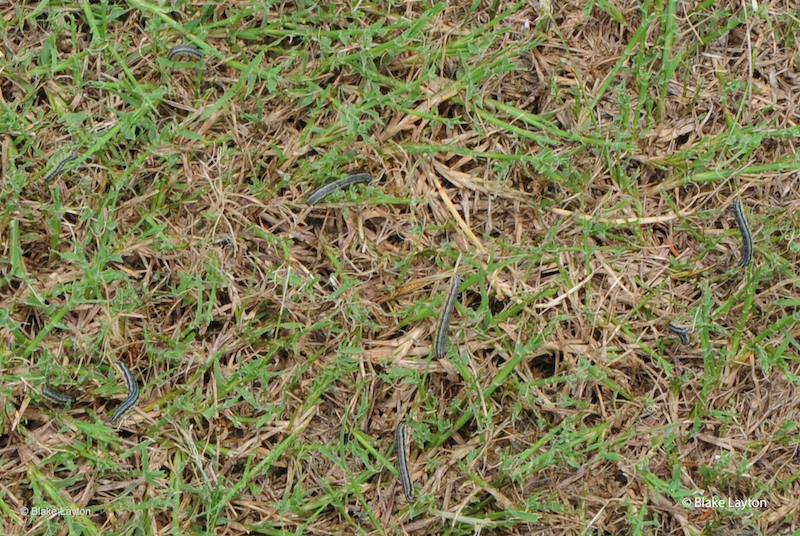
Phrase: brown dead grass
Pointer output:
(604, 287)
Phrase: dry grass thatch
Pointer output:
(575, 163)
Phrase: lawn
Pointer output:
(575, 164)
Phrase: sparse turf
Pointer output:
(575, 163)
